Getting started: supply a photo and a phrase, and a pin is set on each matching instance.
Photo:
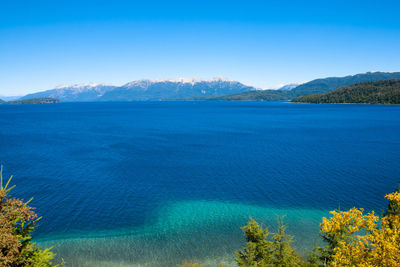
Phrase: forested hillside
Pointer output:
(257, 95)
(379, 92)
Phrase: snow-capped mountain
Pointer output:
(290, 86)
(72, 93)
(161, 89)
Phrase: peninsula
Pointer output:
(44, 100)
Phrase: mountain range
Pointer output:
(145, 90)
(191, 88)
(318, 86)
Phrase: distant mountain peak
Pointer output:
(191, 80)
(290, 86)
(195, 80)
(145, 83)
(81, 85)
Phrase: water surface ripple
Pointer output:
(153, 183)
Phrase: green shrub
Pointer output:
(17, 221)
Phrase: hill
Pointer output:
(145, 90)
(378, 92)
(322, 86)
(2, 101)
(45, 100)
(256, 95)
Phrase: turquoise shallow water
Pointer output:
(203, 231)
(155, 183)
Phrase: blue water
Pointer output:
(155, 183)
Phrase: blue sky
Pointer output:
(261, 43)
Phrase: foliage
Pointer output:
(263, 251)
(352, 238)
(258, 250)
(379, 92)
(393, 207)
(17, 221)
(255, 95)
(357, 239)
(361, 241)
(283, 253)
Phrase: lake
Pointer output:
(156, 183)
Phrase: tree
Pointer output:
(258, 251)
(17, 221)
(282, 252)
(261, 251)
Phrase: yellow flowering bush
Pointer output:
(359, 239)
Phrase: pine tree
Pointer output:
(263, 251)
(258, 250)
(283, 254)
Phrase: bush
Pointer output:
(17, 221)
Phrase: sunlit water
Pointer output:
(156, 183)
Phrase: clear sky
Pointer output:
(261, 43)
